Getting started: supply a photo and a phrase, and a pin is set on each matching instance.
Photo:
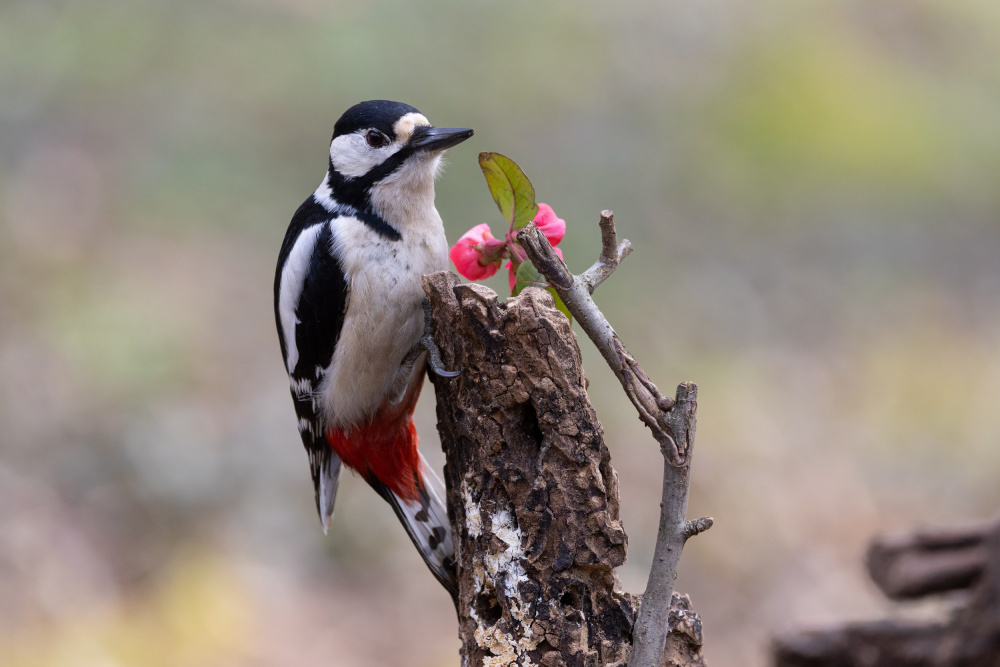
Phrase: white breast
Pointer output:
(384, 317)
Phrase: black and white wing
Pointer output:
(310, 298)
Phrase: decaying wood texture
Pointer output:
(923, 563)
(671, 421)
(531, 490)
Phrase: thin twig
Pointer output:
(612, 254)
(672, 422)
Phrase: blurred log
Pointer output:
(923, 563)
(532, 496)
(868, 644)
(927, 561)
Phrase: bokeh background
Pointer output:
(812, 190)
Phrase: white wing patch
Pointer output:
(293, 277)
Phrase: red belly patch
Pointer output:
(385, 449)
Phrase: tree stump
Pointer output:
(532, 496)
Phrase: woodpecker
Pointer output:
(349, 306)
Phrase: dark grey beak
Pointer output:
(438, 138)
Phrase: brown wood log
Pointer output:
(532, 496)
(861, 644)
(928, 561)
(919, 564)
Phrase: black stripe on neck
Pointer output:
(356, 192)
(364, 213)
(377, 224)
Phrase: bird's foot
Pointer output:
(433, 352)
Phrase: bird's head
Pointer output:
(385, 155)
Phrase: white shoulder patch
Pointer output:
(293, 276)
(324, 195)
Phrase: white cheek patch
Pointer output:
(352, 156)
(404, 126)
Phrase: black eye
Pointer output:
(376, 139)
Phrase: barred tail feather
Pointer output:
(426, 522)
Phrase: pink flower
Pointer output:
(549, 224)
(512, 272)
(468, 254)
(478, 254)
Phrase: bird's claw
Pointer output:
(434, 359)
(433, 351)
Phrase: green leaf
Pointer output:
(511, 189)
(528, 276)
(559, 303)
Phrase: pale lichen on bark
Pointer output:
(501, 573)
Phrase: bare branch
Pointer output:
(612, 254)
(672, 422)
(652, 625)
(575, 292)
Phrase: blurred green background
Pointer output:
(812, 190)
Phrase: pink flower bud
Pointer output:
(467, 255)
(553, 227)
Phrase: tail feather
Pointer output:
(426, 522)
(326, 491)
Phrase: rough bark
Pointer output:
(532, 495)
(923, 563)
(671, 421)
(684, 641)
